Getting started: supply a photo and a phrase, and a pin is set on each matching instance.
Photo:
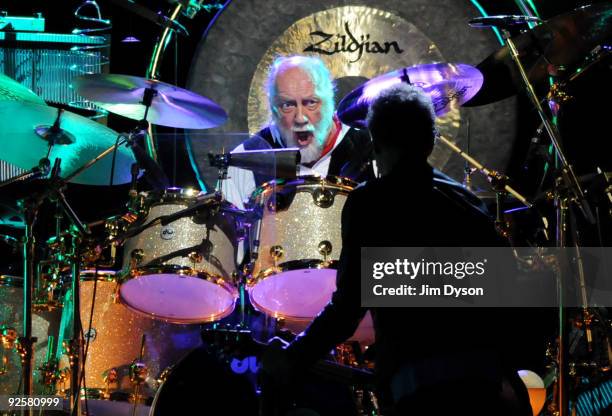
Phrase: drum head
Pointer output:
(177, 298)
(295, 294)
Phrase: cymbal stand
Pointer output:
(77, 341)
(567, 172)
(468, 171)
(158, 52)
(489, 173)
(31, 207)
(221, 161)
(26, 342)
(575, 194)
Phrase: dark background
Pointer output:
(585, 133)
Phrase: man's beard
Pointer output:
(312, 152)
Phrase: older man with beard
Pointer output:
(301, 98)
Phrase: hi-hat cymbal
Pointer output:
(447, 84)
(563, 41)
(11, 90)
(171, 106)
(25, 131)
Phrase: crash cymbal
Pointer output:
(25, 131)
(449, 85)
(565, 40)
(11, 90)
(171, 106)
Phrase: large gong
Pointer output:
(358, 40)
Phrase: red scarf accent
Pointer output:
(331, 141)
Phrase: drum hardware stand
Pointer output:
(468, 170)
(49, 272)
(499, 182)
(138, 374)
(239, 280)
(133, 192)
(152, 71)
(170, 26)
(50, 368)
(221, 162)
(31, 205)
(575, 195)
(110, 377)
(26, 343)
(568, 175)
(491, 174)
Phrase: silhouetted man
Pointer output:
(431, 361)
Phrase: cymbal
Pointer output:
(25, 133)
(11, 216)
(449, 85)
(565, 40)
(11, 90)
(171, 106)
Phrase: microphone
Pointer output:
(187, 212)
(281, 162)
(502, 21)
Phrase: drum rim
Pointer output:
(339, 183)
(140, 272)
(229, 218)
(182, 196)
(103, 275)
(137, 272)
(288, 266)
(169, 195)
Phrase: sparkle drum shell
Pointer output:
(115, 339)
(181, 272)
(297, 243)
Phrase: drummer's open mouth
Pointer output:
(303, 137)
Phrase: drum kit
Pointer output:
(104, 332)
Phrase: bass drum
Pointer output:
(224, 381)
(202, 385)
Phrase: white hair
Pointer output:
(324, 88)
